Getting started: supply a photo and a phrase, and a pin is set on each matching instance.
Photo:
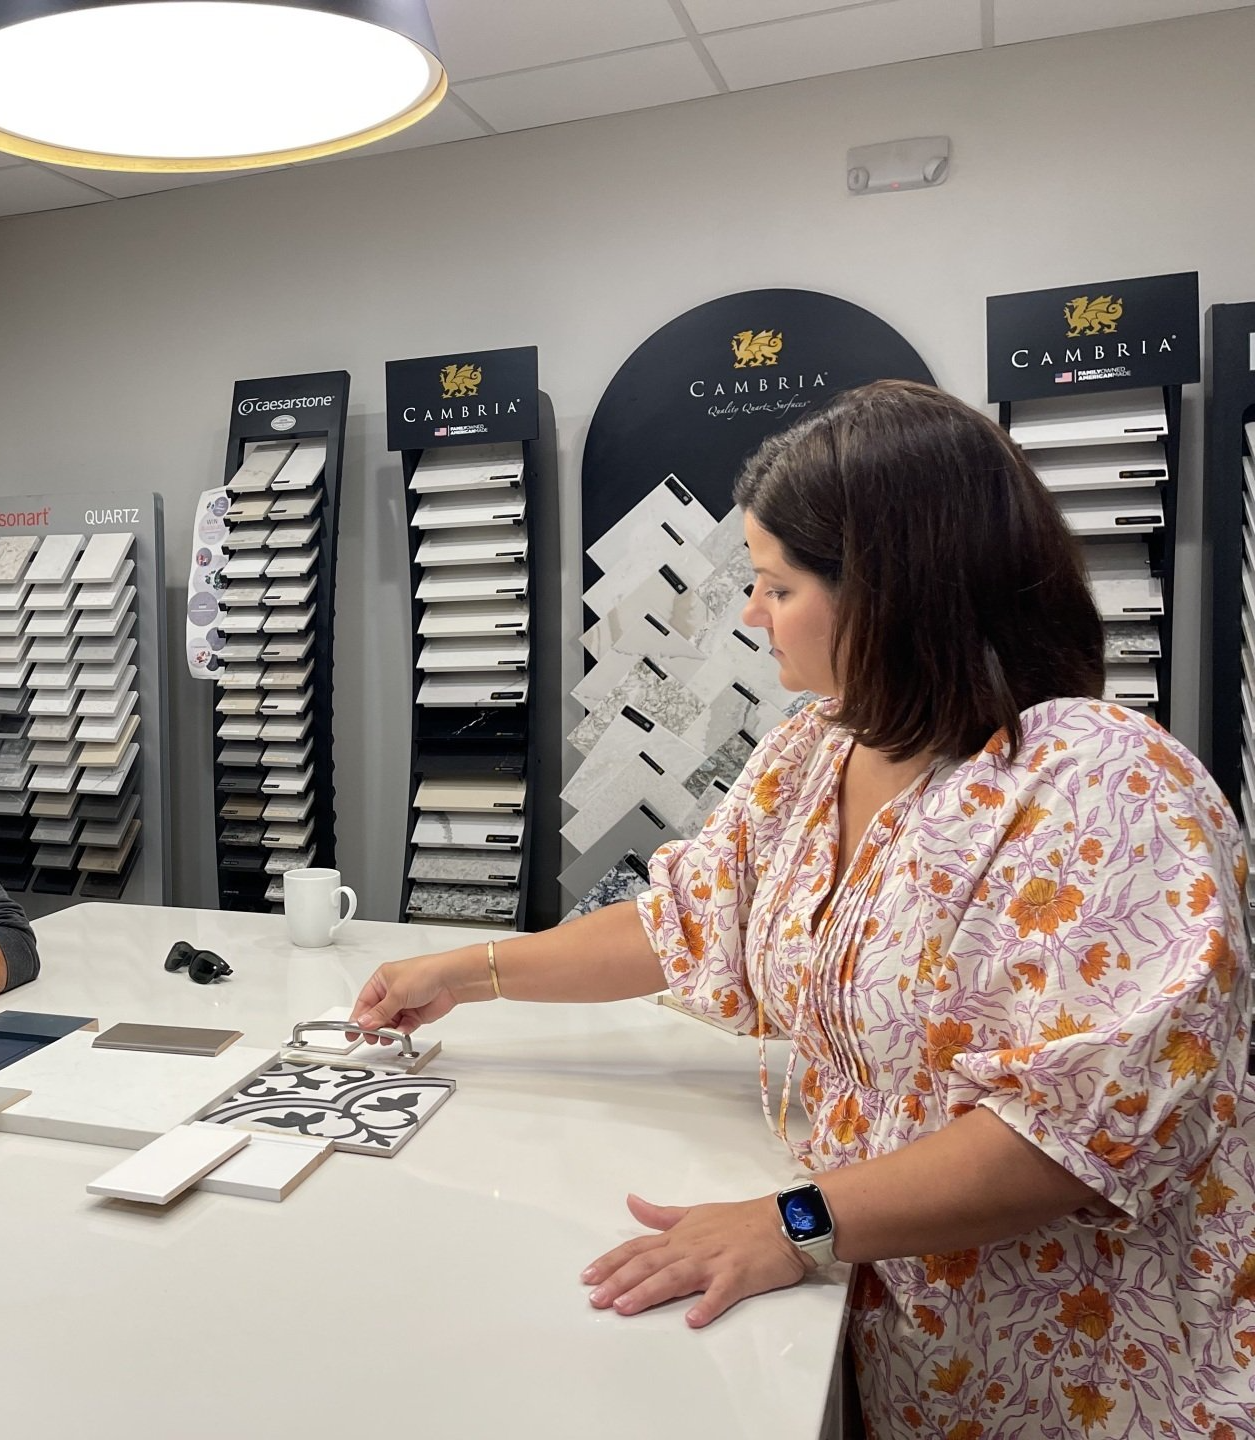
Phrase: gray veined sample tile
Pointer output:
(647, 687)
(104, 557)
(261, 464)
(446, 829)
(725, 591)
(53, 727)
(280, 861)
(254, 507)
(496, 904)
(246, 537)
(109, 781)
(473, 582)
(474, 652)
(15, 554)
(668, 596)
(662, 545)
(461, 508)
(1131, 641)
(362, 1111)
(726, 764)
(735, 708)
(623, 882)
(303, 467)
(668, 503)
(630, 732)
(742, 657)
(471, 618)
(473, 688)
(722, 544)
(293, 536)
(466, 867)
(55, 560)
(637, 781)
(246, 565)
(291, 563)
(639, 831)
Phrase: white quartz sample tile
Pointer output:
(287, 728)
(54, 702)
(284, 702)
(109, 781)
(473, 688)
(476, 832)
(15, 554)
(303, 467)
(260, 466)
(52, 677)
(246, 565)
(106, 622)
(470, 467)
(647, 687)
(299, 505)
(629, 733)
(669, 503)
(123, 1098)
(107, 703)
(474, 652)
(107, 594)
(735, 708)
(51, 649)
(50, 597)
(110, 752)
(291, 563)
(12, 597)
(14, 647)
(636, 781)
(475, 545)
(249, 509)
(294, 535)
(50, 622)
(473, 582)
(104, 557)
(106, 675)
(103, 649)
(661, 546)
(288, 592)
(461, 508)
(269, 1167)
(105, 729)
(54, 560)
(471, 618)
(169, 1165)
(639, 831)
(246, 537)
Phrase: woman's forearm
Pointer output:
(602, 956)
(971, 1184)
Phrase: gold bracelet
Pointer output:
(492, 970)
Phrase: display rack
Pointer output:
(1110, 460)
(274, 780)
(1229, 524)
(84, 769)
(479, 502)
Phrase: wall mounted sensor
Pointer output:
(898, 165)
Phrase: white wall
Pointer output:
(1104, 155)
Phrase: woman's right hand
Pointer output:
(403, 995)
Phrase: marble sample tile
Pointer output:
(51, 597)
(16, 779)
(303, 467)
(106, 622)
(468, 618)
(725, 763)
(668, 503)
(299, 505)
(475, 652)
(623, 882)
(110, 752)
(289, 592)
(458, 509)
(103, 649)
(109, 781)
(247, 537)
(475, 545)
(469, 467)
(637, 781)
(58, 832)
(667, 598)
(241, 622)
(53, 702)
(250, 509)
(246, 565)
(120, 1097)
(629, 733)
(269, 1167)
(664, 545)
(108, 702)
(725, 592)
(50, 622)
(105, 676)
(240, 677)
(167, 1166)
(13, 597)
(286, 728)
(1121, 582)
(466, 867)
(738, 656)
(447, 829)
(284, 649)
(289, 807)
(15, 554)
(1128, 685)
(16, 802)
(361, 1111)
(111, 859)
(640, 832)
(724, 542)
(472, 688)
(1131, 641)
(107, 729)
(647, 687)
(492, 904)
(473, 582)
(104, 557)
(293, 536)
(281, 754)
(14, 648)
(53, 752)
(291, 563)
(284, 702)
(239, 650)
(286, 677)
(52, 649)
(106, 595)
(735, 708)
(55, 560)
(469, 793)
(13, 677)
(12, 622)
(280, 861)
(262, 463)
(53, 727)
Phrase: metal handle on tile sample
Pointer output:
(344, 1026)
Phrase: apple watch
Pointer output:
(807, 1221)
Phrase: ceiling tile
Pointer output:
(489, 37)
(708, 15)
(6, 159)
(122, 184)
(633, 80)
(24, 188)
(845, 40)
(1016, 20)
(446, 123)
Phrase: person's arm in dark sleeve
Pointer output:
(19, 957)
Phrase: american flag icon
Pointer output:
(1065, 378)
(444, 429)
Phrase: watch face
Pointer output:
(804, 1213)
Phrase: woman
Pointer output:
(19, 959)
(999, 924)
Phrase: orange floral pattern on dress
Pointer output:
(1084, 977)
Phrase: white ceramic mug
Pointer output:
(311, 902)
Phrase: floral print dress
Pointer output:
(1058, 938)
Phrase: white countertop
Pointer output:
(437, 1292)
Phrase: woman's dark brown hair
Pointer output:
(960, 592)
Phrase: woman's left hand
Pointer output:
(722, 1252)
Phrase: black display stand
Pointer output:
(253, 850)
(478, 465)
(84, 765)
(1115, 519)
(1227, 500)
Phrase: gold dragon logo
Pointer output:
(459, 380)
(1092, 317)
(753, 348)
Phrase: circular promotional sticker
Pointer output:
(202, 609)
(220, 506)
(201, 657)
(215, 639)
(283, 422)
(211, 529)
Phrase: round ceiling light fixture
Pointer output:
(201, 85)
